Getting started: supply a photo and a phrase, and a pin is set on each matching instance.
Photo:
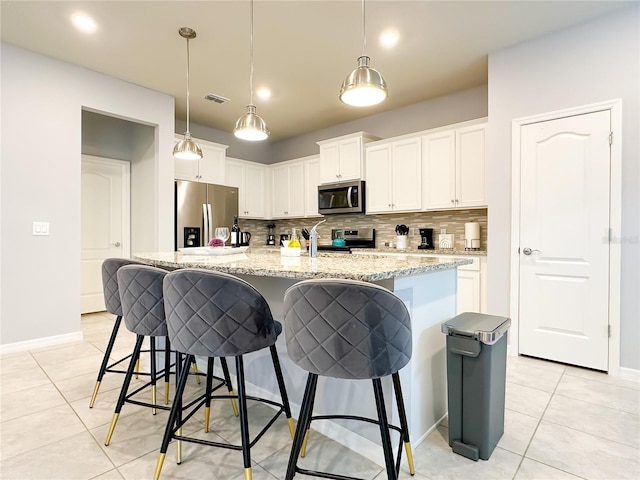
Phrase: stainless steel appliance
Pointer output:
(271, 237)
(245, 237)
(426, 239)
(344, 197)
(360, 238)
(199, 209)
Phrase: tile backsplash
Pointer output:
(451, 220)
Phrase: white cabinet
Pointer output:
(453, 168)
(393, 176)
(311, 182)
(341, 158)
(209, 169)
(288, 189)
(472, 286)
(250, 178)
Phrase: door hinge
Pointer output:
(610, 138)
(609, 330)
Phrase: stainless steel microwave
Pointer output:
(343, 197)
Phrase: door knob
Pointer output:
(528, 251)
(117, 244)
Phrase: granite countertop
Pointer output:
(268, 262)
(437, 251)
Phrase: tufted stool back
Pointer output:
(110, 268)
(346, 329)
(213, 314)
(140, 288)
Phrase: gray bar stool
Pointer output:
(110, 268)
(351, 330)
(140, 288)
(214, 314)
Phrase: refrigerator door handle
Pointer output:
(210, 218)
(205, 223)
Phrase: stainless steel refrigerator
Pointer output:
(199, 209)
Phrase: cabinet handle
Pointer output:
(456, 201)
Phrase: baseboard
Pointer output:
(629, 374)
(43, 342)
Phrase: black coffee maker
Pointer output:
(426, 237)
(271, 237)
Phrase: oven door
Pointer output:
(341, 198)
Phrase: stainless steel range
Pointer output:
(343, 240)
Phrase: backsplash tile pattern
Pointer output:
(451, 220)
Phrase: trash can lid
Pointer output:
(486, 328)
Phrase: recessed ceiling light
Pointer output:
(84, 22)
(389, 38)
(264, 93)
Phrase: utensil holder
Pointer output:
(401, 241)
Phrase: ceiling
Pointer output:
(303, 50)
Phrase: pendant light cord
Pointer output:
(251, 56)
(364, 35)
(188, 85)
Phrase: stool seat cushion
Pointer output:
(214, 314)
(140, 289)
(346, 329)
(110, 267)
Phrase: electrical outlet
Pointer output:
(443, 231)
(40, 228)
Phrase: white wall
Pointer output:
(42, 102)
(589, 63)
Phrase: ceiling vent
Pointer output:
(212, 97)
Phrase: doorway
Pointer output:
(565, 297)
(105, 221)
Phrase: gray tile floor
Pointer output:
(560, 423)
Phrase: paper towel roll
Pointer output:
(472, 231)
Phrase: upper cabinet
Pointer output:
(341, 158)
(453, 168)
(287, 189)
(209, 169)
(311, 182)
(393, 175)
(250, 178)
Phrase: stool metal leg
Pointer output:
(283, 390)
(244, 421)
(403, 421)
(183, 375)
(207, 399)
(105, 360)
(125, 387)
(167, 369)
(152, 358)
(303, 452)
(227, 380)
(303, 420)
(384, 430)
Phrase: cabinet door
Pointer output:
(438, 170)
(329, 169)
(350, 159)
(378, 167)
(296, 190)
(470, 166)
(406, 168)
(311, 181)
(234, 177)
(468, 291)
(212, 164)
(280, 190)
(254, 191)
(186, 169)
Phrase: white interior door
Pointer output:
(564, 245)
(105, 223)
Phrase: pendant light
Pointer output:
(251, 126)
(364, 86)
(187, 149)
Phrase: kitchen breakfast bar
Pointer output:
(426, 285)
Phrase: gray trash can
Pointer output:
(476, 374)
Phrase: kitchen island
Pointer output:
(427, 286)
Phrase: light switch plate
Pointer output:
(41, 228)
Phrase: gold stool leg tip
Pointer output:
(159, 463)
(292, 428)
(303, 450)
(112, 428)
(234, 404)
(94, 395)
(407, 448)
(207, 415)
(247, 474)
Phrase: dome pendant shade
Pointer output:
(187, 149)
(364, 86)
(251, 126)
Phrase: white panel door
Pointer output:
(564, 248)
(104, 224)
(438, 170)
